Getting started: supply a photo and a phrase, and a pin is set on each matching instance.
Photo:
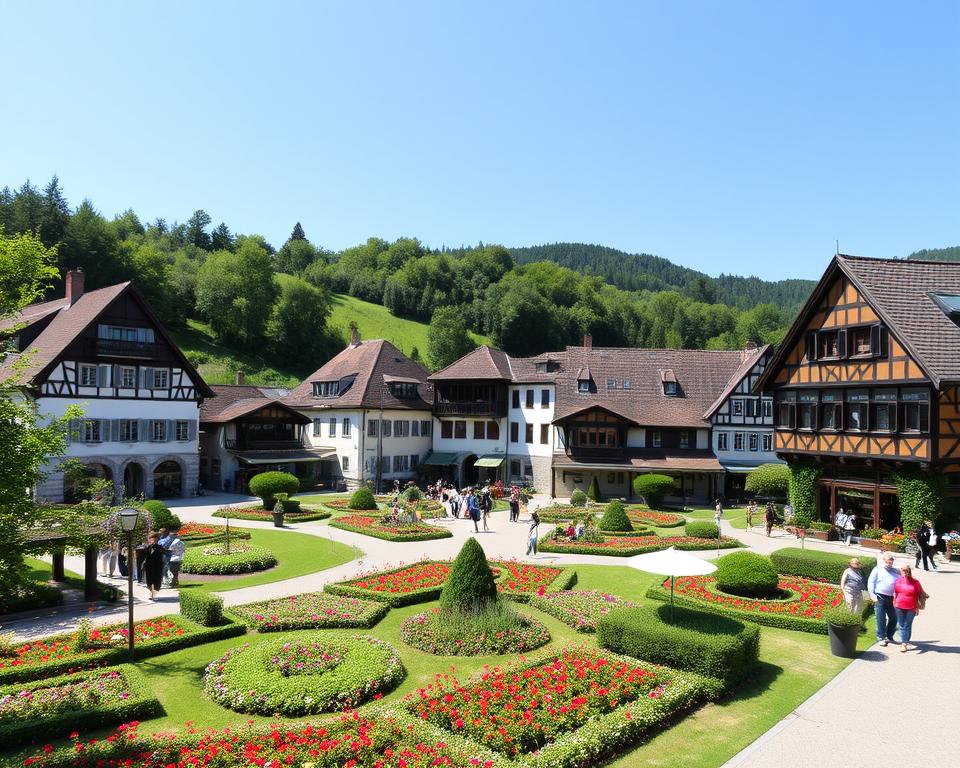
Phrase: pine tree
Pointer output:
(197, 229)
(55, 214)
(298, 233)
(615, 518)
(221, 239)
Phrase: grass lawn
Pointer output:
(41, 572)
(297, 553)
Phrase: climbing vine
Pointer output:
(803, 492)
(921, 497)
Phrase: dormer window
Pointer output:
(326, 388)
(669, 381)
(611, 383)
(583, 385)
(670, 388)
(403, 389)
(548, 366)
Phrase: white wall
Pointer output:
(535, 416)
(746, 456)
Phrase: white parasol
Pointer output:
(671, 562)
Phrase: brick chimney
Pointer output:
(240, 378)
(354, 336)
(749, 349)
(588, 340)
(74, 288)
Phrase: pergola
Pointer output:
(55, 542)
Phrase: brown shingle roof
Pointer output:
(364, 365)
(482, 364)
(32, 313)
(700, 374)
(235, 400)
(750, 359)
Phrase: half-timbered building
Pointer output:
(866, 382)
(106, 352)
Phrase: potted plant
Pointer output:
(278, 509)
(843, 627)
(870, 537)
(821, 531)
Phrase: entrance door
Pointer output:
(132, 479)
(469, 474)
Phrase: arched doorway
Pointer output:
(132, 479)
(167, 480)
(88, 482)
(469, 474)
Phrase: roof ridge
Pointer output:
(898, 260)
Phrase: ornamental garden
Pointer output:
(462, 662)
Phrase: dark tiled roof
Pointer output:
(898, 290)
(235, 400)
(701, 376)
(750, 359)
(32, 313)
(368, 362)
(482, 364)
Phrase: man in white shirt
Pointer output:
(175, 548)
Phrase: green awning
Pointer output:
(439, 459)
(489, 461)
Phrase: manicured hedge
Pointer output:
(824, 566)
(266, 515)
(264, 680)
(314, 610)
(711, 645)
(746, 574)
(634, 532)
(701, 529)
(201, 607)
(371, 526)
(203, 533)
(140, 703)
(211, 559)
(627, 546)
(362, 498)
(62, 657)
(557, 513)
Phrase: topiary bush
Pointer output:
(161, 515)
(578, 498)
(266, 485)
(470, 586)
(811, 564)
(804, 481)
(214, 560)
(201, 607)
(363, 499)
(701, 529)
(920, 495)
(653, 488)
(746, 574)
(769, 480)
(593, 491)
(411, 493)
(615, 518)
(718, 647)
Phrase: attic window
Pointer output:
(403, 389)
(949, 304)
(626, 384)
(548, 366)
(611, 383)
(670, 388)
(326, 388)
(583, 385)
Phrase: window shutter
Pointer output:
(116, 378)
(104, 430)
(103, 375)
(73, 426)
(171, 433)
(192, 430)
(146, 380)
(143, 431)
(812, 345)
(842, 343)
(875, 341)
(115, 430)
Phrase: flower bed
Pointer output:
(59, 654)
(558, 513)
(801, 608)
(570, 709)
(657, 519)
(626, 546)
(213, 559)
(89, 699)
(303, 677)
(492, 633)
(305, 514)
(195, 533)
(376, 740)
(423, 581)
(314, 610)
(579, 609)
(374, 526)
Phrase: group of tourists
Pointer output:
(770, 516)
(476, 504)
(155, 562)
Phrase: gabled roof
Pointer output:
(899, 291)
(365, 364)
(234, 401)
(482, 364)
(32, 313)
(70, 322)
(750, 359)
(701, 374)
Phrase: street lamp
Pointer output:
(128, 524)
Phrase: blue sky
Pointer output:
(730, 137)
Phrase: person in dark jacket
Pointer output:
(153, 560)
(474, 509)
(770, 518)
(927, 546)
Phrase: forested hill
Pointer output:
(642, 271)
(937, 254)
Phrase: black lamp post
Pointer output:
(128, 524)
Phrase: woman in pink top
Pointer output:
(907, 594)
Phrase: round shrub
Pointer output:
(578, 498)
(363, 499)
(161, 515)
(303, 677)
(701, 529)
(615, 518)
(411, 493)
(493, 631)
(769, 481)
(266, 485)
(653, 488)
(213, 560)
(746, 574)
(470, 586)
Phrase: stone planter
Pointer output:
(278, 519)
(830, 535)
(870, 544)
(843, 640)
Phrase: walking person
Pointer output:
(852, 584)
(514, 504)
(926, 546)
(718, 513)
(880, 586)
(849, 528)
(175, 557)
(164, 541)
(486, 506)
(474, 509)
(770, 517)
(908, 599)
(153, 557)
(751, 511)
(534, 533)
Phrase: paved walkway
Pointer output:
(886, 708)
